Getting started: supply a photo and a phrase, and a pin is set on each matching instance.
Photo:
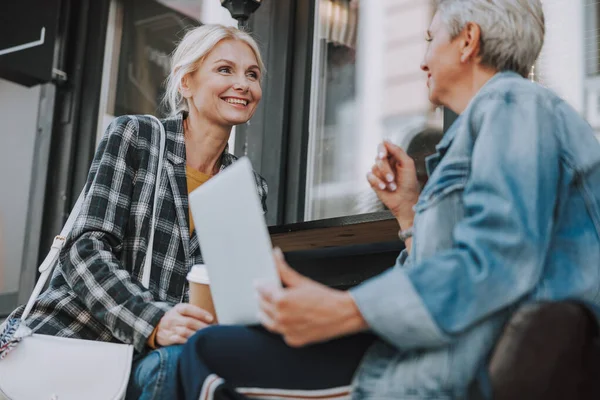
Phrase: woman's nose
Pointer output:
(241, 85)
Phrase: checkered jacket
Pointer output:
(95, 292)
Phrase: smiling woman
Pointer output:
(226, 85)
(100, 291)
(193, 52)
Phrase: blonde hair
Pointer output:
(191, 51)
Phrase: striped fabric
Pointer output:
(212, 382)
(338, 393)
(96, 292)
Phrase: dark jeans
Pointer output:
(229, 362)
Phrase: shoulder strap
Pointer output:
(51, 259)
(148, 259)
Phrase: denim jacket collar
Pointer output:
(432, 161)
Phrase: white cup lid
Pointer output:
(198, 274)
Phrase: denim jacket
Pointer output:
(511, 213)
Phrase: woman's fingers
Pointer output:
(184, 331)
(268, 308)
(398, 153)
(177, 339)
(375, 182)
(192, 311)
(192, 324)
(386, 173)
(383, 171)
(382, 177)
(267, 322)
(181, 322)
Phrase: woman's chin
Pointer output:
(238, 121)
(234, 117)
(434, 99)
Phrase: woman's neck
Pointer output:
(204, 143)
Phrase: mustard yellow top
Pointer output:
(195, 179)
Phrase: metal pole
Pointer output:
(243, 24)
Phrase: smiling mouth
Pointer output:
(236, 102)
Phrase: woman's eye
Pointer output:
(225, 70)
(428, 38)
(253, 75)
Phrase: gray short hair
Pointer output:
(192, 50)
(512, 31)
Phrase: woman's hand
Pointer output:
(394, 180)
(305, 311)
(181, 322)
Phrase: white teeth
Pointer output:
(236, 101)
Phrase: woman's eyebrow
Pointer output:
(225, 61)
(253, 66)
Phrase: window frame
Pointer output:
(275, 140)
(591, 42)
(278, 136)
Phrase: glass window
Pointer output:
(366, 86)
(141, 36)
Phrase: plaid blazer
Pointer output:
(95, 292)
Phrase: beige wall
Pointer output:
(391, 47)
(405, 24)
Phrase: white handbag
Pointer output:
(43, 367)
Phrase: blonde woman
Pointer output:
(96, 291)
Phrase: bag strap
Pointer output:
(51, 259)
(148, 259)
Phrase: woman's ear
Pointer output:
(184, 86)
(471, 40)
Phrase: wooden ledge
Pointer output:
(336, 232)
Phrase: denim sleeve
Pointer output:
(499, 247)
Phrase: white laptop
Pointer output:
(234, 241)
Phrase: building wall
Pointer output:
(19, 115)
(405, 84)
(561, 65)
(393, 95)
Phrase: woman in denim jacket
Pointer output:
(510, 214)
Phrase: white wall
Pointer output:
(562, 61)
(18, 116)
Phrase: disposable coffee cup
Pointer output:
(200, 289)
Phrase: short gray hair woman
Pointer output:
(512, 30)
(509, 214)
(95, 293)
